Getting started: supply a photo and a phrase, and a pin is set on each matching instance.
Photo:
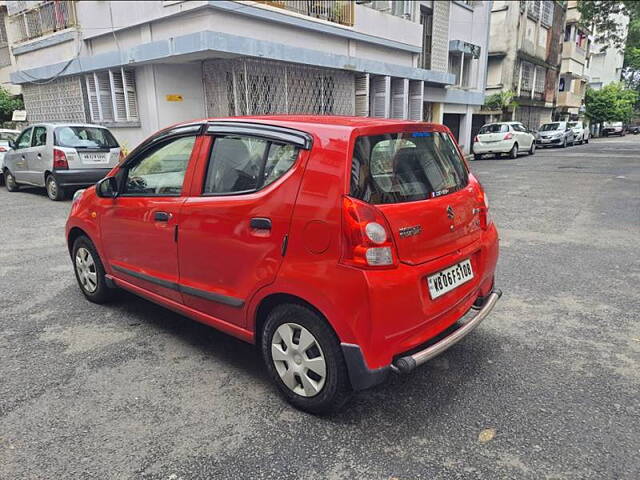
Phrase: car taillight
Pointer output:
(367, 239)
(59, 159)
(475, 139)
(3, 149)
(508, 136)
(483, 209)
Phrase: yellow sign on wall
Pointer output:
(174, 97)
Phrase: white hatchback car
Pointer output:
(7, 137)
(504, 137)
(580, 133)
(60, 156)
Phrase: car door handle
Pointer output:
(161, 216)
(260, 223)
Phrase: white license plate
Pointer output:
(95, 157)
(446, 280)
(545, 140)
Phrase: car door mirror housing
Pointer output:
(107, 188)
(12, 145)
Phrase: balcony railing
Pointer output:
(336, 11)
(46, 17)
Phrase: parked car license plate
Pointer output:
(446, 280)
(95, 157)
(545, 140)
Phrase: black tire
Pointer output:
(564, 143)
(513, 153)
(336, 390)
(10, 182)
(102, 292)
(586, 140)
(477, 156)
(532, 149)
(54, 191)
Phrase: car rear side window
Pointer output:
(243, 164)
(39, 136)
(406, 167)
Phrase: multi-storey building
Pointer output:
(6, 58)
(524, 56)
(139, 66)
(604, 65)
(573, 78)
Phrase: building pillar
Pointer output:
(437, 112)
(465, 130)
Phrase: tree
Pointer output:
(612, 103)
(9, 103)
(501, 101)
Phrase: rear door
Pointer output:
(523, 137)
(37, 159)
(234, 226)
(421, 184)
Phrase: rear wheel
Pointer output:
(304, 359)
(10, 182)
(564, 143)
(54, 191)
(90, 271)
(586, 140)
(513, 153)
(532, 149)
(477, 156)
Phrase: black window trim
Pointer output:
(20, 136)
(298, 138)
(265, 157)
(153, 144)
(33, 137)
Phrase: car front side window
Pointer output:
(24, 141)
(160, 171)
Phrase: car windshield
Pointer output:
(612, 124)
(494, 128)
(547, 127)
(84, 137)
(406, 167)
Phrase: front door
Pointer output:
(234, 227)
(37, 159)
(18, 163)
(139, 226)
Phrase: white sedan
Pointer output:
(511, 138)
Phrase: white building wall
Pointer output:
(605, 65)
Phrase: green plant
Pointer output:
(501, 101)
(612, 103)
(9, 103)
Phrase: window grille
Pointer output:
(533, 9)
(111, 96)
(59, 101)
(541, 74)
(251, 87)
(35, 19)
(426, 19)
(526, 79)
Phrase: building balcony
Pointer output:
(335, 11)
(569, 100)
(570, 50)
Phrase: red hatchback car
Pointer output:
(346, 248)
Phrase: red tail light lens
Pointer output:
(3, 149)
(475, 139)
(367, 239)
(60, 160)
(508, 136)
(483, 210)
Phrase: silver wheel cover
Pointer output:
(298, 359)
(86, 269)
(52, 188)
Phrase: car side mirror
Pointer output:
(12, 145)
(568, 129)
(107, 188)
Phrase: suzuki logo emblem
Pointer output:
(450, 213)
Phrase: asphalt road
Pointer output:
(547, 387)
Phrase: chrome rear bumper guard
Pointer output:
(409, 362)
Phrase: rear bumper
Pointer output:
(362, 377)
(80, 177)
(503, 146)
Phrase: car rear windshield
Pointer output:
(406, 167)
(550, 126)
(495, 128)
(6, 137)
(84, 137)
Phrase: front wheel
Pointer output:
(564, 143)
(304, 359)
(586, 140)
(532, 149)
(54, 191)
(10, 182)
(90, 271)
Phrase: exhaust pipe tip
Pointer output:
(404, 364)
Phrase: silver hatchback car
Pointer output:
(59, 157)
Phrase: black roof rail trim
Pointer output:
(284, 134)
